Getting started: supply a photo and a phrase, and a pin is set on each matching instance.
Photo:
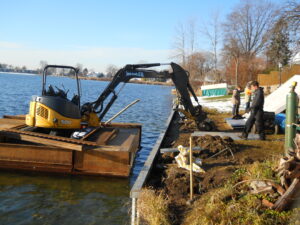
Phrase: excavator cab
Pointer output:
(53, 109)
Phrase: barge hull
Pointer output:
(112, 157)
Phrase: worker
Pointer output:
(236, 101)
(256, 112)
(248, 95)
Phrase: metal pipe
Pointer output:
(191, 170)
(133, 211)
(123, 110)
(291, 118)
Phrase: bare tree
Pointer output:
(111, 70)
(43, 64)
(179, 44)
(231, 51)
(248, 24)
(246, 34)
(200, 63)
(79, 66)
(184, 43)
(191, 35)
(212, 31)
(292, 16)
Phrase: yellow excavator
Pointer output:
(54, 110)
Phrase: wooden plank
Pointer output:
(144, 173)
(17, 117)
(43, 141)
(236, 124)
(10, 123)
(123, 135)
(86, 145)
(170, 150)
(234, 136)
(91, 133)
(122, 125)
(105, 136)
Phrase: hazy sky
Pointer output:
(96, 33)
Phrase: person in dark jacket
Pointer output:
(256, 112)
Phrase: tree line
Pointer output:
(256, 36)
(111, 70)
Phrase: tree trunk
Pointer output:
(236, 71)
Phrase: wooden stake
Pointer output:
(191, 170)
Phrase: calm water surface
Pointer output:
(46, 199)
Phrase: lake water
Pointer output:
(46, 199)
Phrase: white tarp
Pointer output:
(222, 105)
(275, 102)
(214, 86)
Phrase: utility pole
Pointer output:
(279, 68)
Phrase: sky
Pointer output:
(97, 33)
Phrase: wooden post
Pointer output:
(191, 170)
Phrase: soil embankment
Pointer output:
(215, 191)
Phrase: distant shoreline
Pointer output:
(100, 79)
(16, 73)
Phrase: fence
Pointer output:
(273, 78)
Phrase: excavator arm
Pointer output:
(179, 77)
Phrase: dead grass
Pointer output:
(153, 208)
(219, 119)
(231, 205)
(260, 151)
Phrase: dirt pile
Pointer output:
(212, 145)
(188, 126)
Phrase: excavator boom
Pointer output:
(179, 77)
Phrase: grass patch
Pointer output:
(153, 208)
(218, 118)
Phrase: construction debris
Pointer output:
(216, 146)
(183, 161)
(261, 187)
(289, 172)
